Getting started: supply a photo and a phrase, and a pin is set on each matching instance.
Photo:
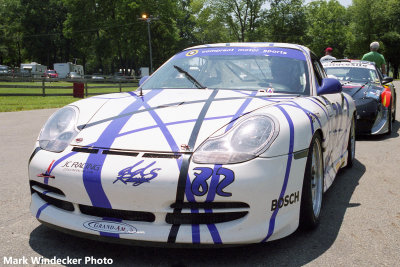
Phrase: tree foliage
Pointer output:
(107, 35)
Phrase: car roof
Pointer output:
(253, 44)
(349, 63)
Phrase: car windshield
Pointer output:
(353, 74)
(272, 69)
(51, 71)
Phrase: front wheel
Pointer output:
(313, 186)
(351, 146)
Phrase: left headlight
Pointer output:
(245, 141)
(59, 130)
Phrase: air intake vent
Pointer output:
(203, 218)
(118, 214)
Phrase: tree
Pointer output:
(327, 26)
(286, 21)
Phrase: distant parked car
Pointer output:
(97, 76)
(120, 76)
(4, 70)
(74, 75)
(51, 74)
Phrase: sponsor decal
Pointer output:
(285, 201)
(110, 227)
(270, 90)
(47, 173)
(192, 53)
(202, 174)
(76, 166)
(137, 176)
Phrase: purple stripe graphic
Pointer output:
(41, 209)
(92, 181)
(287, 173)
(215, 178)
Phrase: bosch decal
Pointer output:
(138, 176)
(200, 185)
(285, 201)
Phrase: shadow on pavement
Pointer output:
(298, 249)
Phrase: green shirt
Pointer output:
(375, 57)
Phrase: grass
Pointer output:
(18, 103)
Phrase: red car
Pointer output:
(51, 74)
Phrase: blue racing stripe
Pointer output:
(41, 209)
(287, 173)
(92, 180)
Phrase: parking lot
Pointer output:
(360, 219)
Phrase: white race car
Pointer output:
(223, 144)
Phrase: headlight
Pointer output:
(246, 140)
(59, 130)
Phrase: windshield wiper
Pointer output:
(190, 77)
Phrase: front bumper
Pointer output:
(257, 186)
(372, 117)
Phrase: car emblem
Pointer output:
(78, 140)
(185, 147)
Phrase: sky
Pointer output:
(345, 3)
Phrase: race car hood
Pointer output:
(357, 90)
(170, 120)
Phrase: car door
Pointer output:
(335, 140)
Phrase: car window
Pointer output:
(272, 69)
(318, 69)
(353, 74)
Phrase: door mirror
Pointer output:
(329, 86)
(387, 79)
(143, 79)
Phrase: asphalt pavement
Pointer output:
(360, 218)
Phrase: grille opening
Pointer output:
(210, 205)
(46, 188)
(203, 218)
(85, 150)
(57, 202)
(120, 153)
(161, 155)
(141, 216)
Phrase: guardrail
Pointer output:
(89, 84)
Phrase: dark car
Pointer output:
(374, 94)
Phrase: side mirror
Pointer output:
(143, 79)
(387, 79)
(329, 86)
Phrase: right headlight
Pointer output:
(245, 141)
(59, 130)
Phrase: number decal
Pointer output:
(202, 174)
(199, 184)
(229, 177)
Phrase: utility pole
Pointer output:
(148, 19)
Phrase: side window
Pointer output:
(318, 70)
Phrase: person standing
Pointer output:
(328, 55)
(376, 57)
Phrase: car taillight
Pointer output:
(386, 96)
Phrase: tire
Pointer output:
(351, 146)
(313, 186)
(394, 112)
(390, 120)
